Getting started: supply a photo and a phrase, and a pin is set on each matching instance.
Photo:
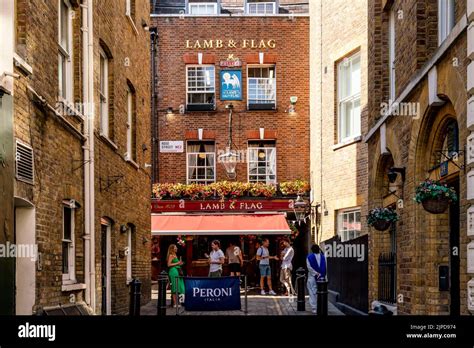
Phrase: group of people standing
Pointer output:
(315, 263)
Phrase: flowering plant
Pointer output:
(260, 189)
(297, 187)
(181, 241)
(433, 189)
(385, 214)
(227, 189)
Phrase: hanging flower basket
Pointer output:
(435, 196)
(381, 218)
(381, 225)
(435, 206)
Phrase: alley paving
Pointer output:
(257, 305)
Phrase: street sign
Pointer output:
(171, 146)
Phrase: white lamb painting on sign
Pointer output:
(231, 80)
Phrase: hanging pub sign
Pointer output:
(212, 294)
(231, 84)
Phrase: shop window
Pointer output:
(201, 91)
(348, 224)
(262, 162)
(261, 87)
(445, 19)
(261, 8)
(201, 162)
(203, 8)
(65, 68)
(348, 96)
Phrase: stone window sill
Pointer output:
(347, 142)
(109, 142)
(132, 24)
(22, 64)
(72, 287)
(132, 163)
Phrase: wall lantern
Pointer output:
(169, 111)
(393, 173)
(230, 158)
(300, 208)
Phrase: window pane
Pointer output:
(67, 223)
(355, 76)
(64, 14)
(65, 257)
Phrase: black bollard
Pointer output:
(300, 277)
(322, 293)
(135, 293)
(162, 282)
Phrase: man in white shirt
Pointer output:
(216, 260)
(286, 267)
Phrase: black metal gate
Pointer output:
(387, 279)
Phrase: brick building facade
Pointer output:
(263, 56)
(79, 123)
(418, 59)
(338, 156)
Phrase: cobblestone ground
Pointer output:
(257, 305)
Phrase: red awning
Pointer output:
(224, 224)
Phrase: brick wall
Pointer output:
(338, 173)
(59, 161)
(292, 75)
(422, 240)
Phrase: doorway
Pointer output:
(106, 268)
(25, 239)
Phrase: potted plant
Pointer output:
(435, 196)
(294, 188)
(381, 218)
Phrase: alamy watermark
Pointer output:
(347, 250)
(410, 109)
(27, 251)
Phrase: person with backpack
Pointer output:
(316, 264)
(263, 255)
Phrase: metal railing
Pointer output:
(387, 278)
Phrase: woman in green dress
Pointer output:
(174, 266)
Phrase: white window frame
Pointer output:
(198, 181)
(267, 150)
(272, 80)
(391, 54)
(261, 4)
(65, 54)
(70, 277)
(202, 4)
(344, 234)
(445, 19)
(104, 95)
(129, 254)
(129, 154)
(128, 14)
(352, 98)
(213, 78)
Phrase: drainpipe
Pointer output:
(91, 119)
(85, 98)
(154, 120)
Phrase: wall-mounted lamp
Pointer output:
(145, 240)
(393, 173)
(123, 228)
(292, 108)
(145, 25)
(169, 111)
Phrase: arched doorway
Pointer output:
(438, 158)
